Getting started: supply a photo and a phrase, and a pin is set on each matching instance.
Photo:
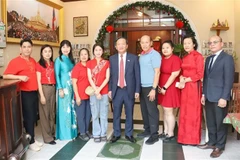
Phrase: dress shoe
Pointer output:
(52, 142)
(206, 146)
(39, 144)
(216, 153)
(115, 139)
(144, 134)
(131, 139)
(34, 147)
(151, 140)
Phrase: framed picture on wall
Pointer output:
(80, 26)
(41, 21)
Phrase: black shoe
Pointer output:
(131, 139)
(167, 139)
(151, 140)
(162, 135)
(52, 142)
(143, 134)
(115, 139)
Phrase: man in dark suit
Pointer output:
(124, 87)
(217, 85)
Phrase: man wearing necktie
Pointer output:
(124, 87)
(217, 84)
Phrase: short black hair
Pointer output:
(168, 42)
(193, 40)
(26, 40)
(121, 38)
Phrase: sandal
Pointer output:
(104, 139)
(97, 139)
(162, 135)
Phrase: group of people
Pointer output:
(155, 78)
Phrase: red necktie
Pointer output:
(121, 75)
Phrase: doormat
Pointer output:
(123, 149)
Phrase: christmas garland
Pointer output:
(151, 5)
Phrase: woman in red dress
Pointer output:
(190, 82)
(169, 95)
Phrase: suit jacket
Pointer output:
(218, 82)
(132, 74)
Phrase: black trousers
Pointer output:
(217, 130)
(29, 111)
(150, 112)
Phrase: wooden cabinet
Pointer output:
(13, 142)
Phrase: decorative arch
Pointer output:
(152, 5)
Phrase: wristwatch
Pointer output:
(154, 88)
(164, 88)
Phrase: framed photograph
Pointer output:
(225, 44)
(230, 44)
(41, 21)
(80, 26)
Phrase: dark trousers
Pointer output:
(83, 116)
(217, 130)
(150, 112)
(121, 98)
(29, 110)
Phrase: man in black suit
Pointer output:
(124, 87)
(217, 85)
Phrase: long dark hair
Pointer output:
(42, 61)
(68, 43)
(99, 45)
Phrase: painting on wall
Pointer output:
(39, 20)
(80, 26)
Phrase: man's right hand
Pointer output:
(23, 78)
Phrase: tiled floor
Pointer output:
(158, 151)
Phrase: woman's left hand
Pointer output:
(163, 91)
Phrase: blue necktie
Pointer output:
(211, 62)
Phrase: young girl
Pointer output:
(82, 104)
(47, 93)
(98, 76)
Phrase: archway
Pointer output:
(111, 28)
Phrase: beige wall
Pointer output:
(237, 32)
(201, 14)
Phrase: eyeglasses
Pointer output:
(214, 42)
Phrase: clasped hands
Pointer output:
(182, 82)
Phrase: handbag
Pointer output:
(89, 91)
